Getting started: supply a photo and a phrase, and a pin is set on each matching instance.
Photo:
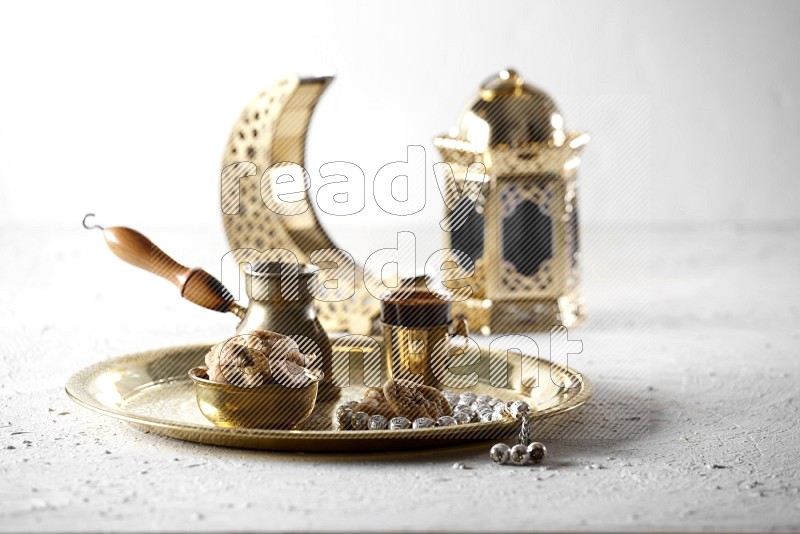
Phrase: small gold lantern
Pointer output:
(522, 232)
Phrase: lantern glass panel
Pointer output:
(527, 223)
(527, 238)
(468, 237)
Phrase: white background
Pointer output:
(124, 109)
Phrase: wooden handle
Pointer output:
(196, 285)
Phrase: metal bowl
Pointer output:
(274, 406)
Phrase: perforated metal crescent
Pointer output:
(272, 130)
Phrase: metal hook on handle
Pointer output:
(93, 226)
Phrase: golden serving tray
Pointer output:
(152, 390)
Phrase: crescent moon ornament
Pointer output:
(270, 136)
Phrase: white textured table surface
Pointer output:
(693, 344)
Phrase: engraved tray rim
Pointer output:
(326, 441)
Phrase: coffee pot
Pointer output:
(280, 296)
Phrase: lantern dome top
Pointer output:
(511, 113)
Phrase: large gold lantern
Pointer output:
(521, 234)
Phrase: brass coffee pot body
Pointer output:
(281, 301)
